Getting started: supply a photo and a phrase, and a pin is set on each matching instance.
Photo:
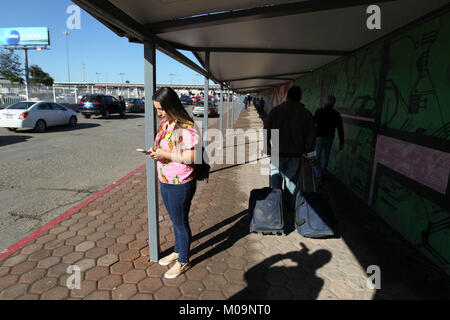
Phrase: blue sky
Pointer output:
(98, 47)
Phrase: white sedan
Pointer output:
(36, 115)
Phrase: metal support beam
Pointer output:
(266, 86)
(263, 12)
(206, 105)
(196, 55)
(268, 76)
(325, 52)
(150, 133)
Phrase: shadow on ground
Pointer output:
(406, 273)
(284, 282)
(79, 126)
(6, 140)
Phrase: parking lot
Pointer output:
(42, 175)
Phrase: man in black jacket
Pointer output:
(327, 120)
(295, 125)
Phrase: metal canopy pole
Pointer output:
(221, 116)
(206, 103)
(234, 109)
(228, 108)
(150, 126)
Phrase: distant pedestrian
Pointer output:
(261, 106)
(175, 155)
(295, 125)
(327, 120)
(246, 102)
(122, 106)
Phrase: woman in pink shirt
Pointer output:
(175, 155)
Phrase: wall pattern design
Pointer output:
(394, 98)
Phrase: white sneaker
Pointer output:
(169, 259)
(177, 269)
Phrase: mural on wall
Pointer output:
(357, 157)
(354, 82)
(418, 81)
(394, 99)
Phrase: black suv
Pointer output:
(100, 104)
(185, 99)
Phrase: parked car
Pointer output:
(36, 115)
(199, 107)
(134, 105)
(195, 99)
(99, 104)
(186, 100)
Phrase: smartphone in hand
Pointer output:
(141, 150)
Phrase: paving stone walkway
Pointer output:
(107, 240)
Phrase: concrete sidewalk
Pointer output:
(107, 239)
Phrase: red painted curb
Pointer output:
(21, 243)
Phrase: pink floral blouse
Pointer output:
(172, 139)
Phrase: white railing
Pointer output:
(12, 93)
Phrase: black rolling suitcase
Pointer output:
(266, 211)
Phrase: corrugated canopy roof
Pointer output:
(254, 44)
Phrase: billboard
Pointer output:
(24, 37)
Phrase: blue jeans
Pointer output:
(177, 200)
(287, 170)
(323, 150)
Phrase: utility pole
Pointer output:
(98, 73)
(83, 66)
(121, 76)
(27, 73)
(66, 33)
(171, 77)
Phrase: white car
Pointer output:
(36, 115)
(199, 107)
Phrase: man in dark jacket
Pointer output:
(296, 131)
(327, 120)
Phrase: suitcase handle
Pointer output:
(299, 223)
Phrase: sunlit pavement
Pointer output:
(107, 240)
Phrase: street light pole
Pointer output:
(171, 77)
(83, 66)
(121, 77)
(66, 33)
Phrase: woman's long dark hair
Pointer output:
(172, 105)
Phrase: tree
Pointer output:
(39, 76)
(37, 72)
(17, 79)
(10, 66)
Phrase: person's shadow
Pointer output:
(283, 282)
